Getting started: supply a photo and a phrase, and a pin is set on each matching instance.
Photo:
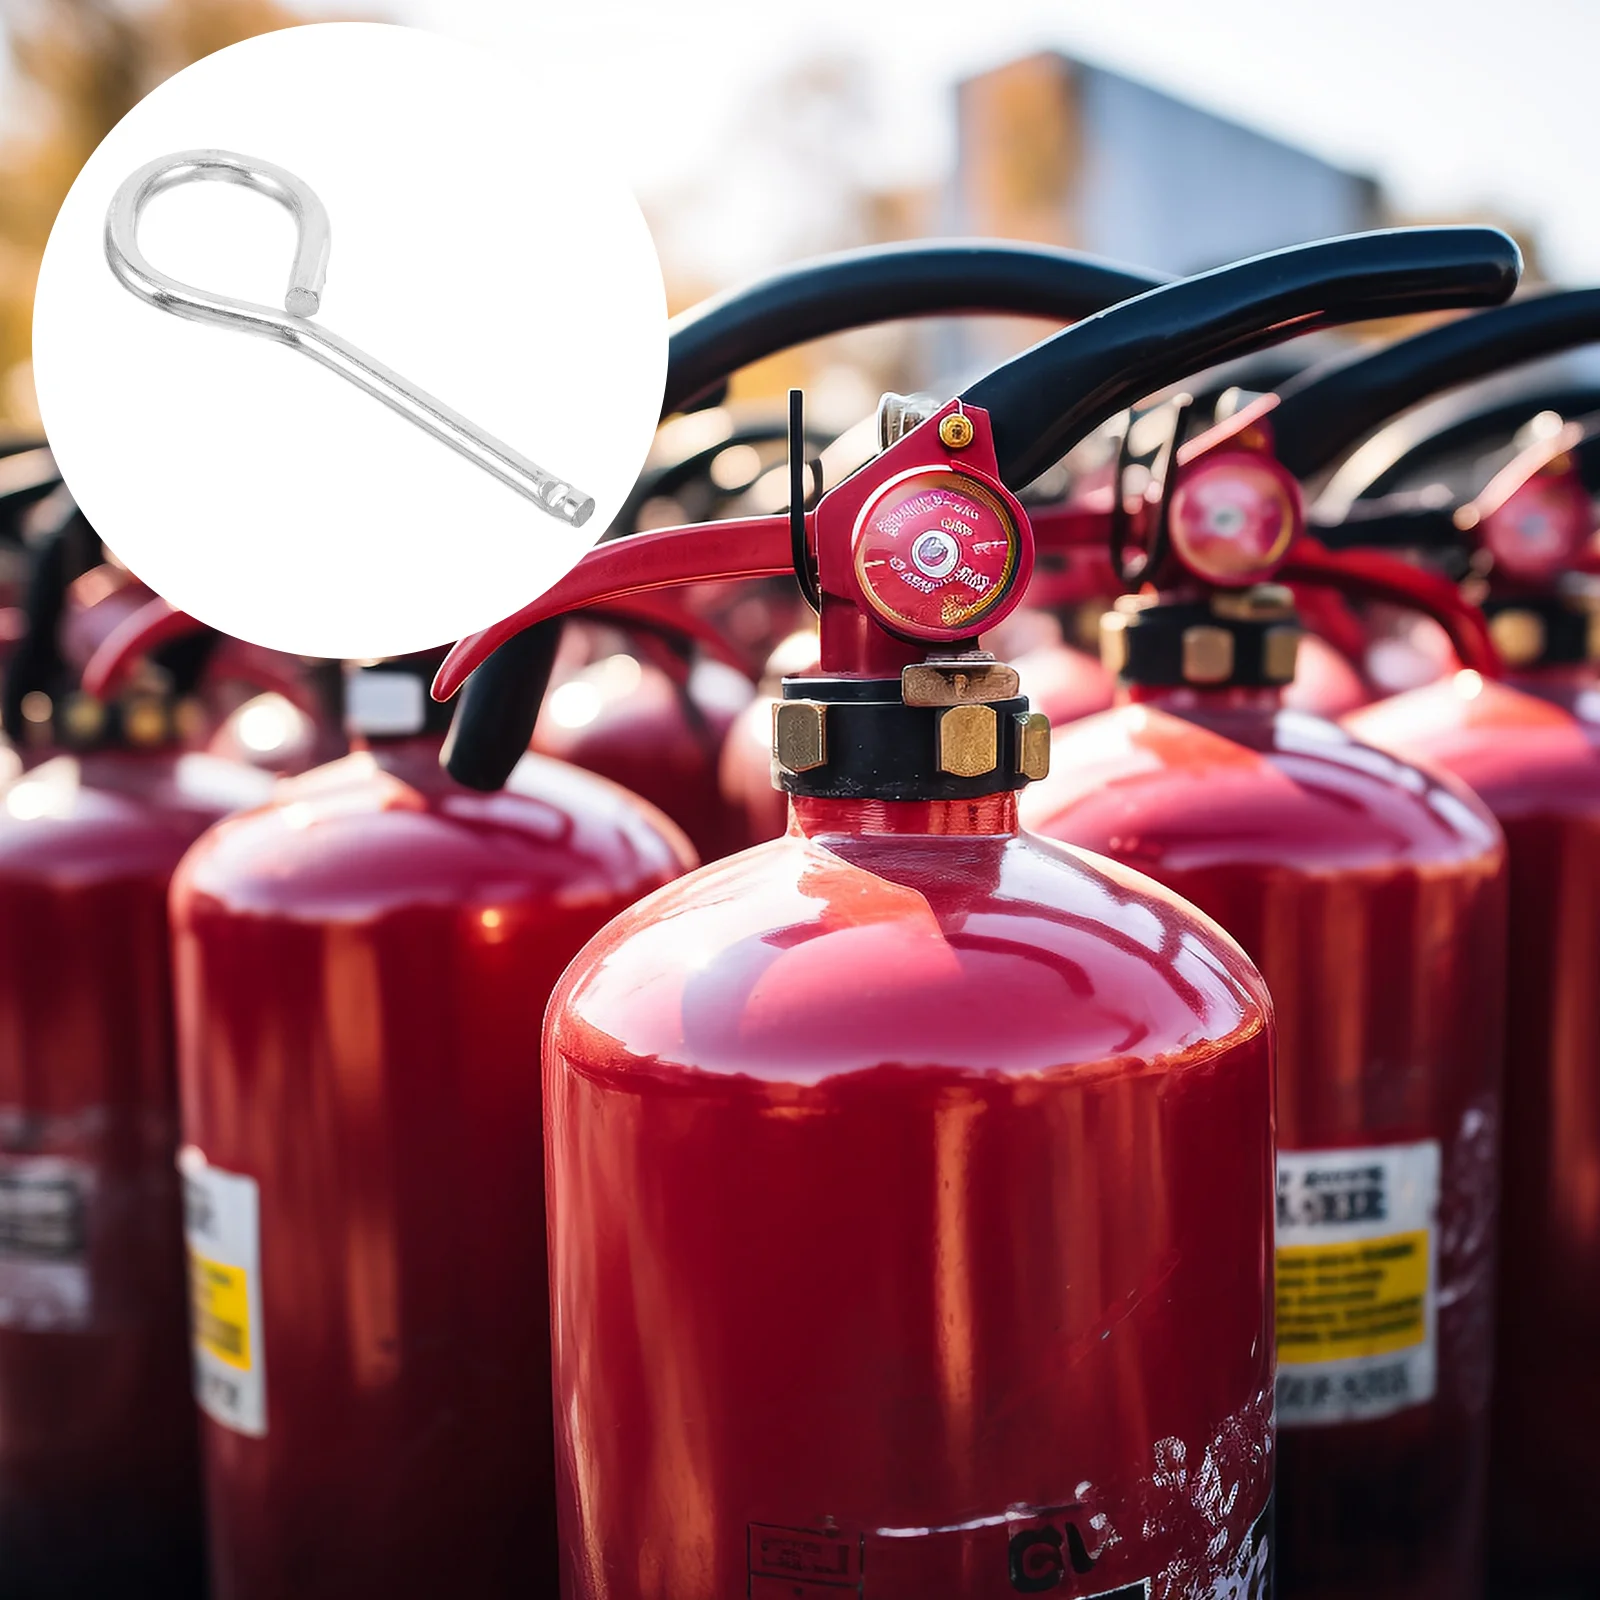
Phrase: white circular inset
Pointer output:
(934, 555)
(481, 250)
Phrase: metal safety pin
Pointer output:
(292, 325)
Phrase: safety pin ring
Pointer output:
(292, 325)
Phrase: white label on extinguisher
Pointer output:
(44, 1243)
(223, 1231)
(1357, 1281)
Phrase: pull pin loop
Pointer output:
(301, 301)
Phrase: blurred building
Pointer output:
(1054, 150)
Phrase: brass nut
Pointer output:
(1518, 635)
(969, 741)
(144, 720)
(1207, 655)
(799, 735)
(1033, 745)
(1280, 651)
(1114, 642)
(1261, 602)
(83, 717)
(956, 683)
(956, 431)
(189, 720)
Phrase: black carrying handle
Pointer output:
(884, 283)
(1418, 520)
(498, 706)
(61, 554)
(1044, 401)
(1323, 415)
(1481, 432)
(28, 473)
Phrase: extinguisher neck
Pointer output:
(1203, 698)
(415, 759)
(991, 815)
(1203, 641)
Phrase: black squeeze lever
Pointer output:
(884, 283)
(1320, 416)
(1043, 401)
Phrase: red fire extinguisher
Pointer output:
(1530, 747)
(653, 718)
(1372, 899)
(910, 1180)
(99, 1477)
(361, 971)
(265, 709)
(1526, 746)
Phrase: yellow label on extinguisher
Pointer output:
(220, 1298)
(1357, 1293)
(1365, 1299)
(223, 1231)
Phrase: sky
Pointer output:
(1451, 103)
(1456, 105)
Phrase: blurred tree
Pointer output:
(76, 66)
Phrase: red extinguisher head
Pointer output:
(926, 545)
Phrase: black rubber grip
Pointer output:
(1322, 416)
(1423, 520)
(884, 283)
(1480, 432)
(1045, 400)
(498, 706)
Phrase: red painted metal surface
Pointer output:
(910, 1187)
(99, 1475)
(658, 730)
(1325, 683)
(744, 772)
(1065, 683)
(362, 971)
(1530, 747)
(1372, 899)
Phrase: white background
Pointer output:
(481, 248)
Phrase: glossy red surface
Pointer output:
(1325, 684)
(1065, 683)
(744, 774)
(630, 722)
(910, 1186)
(99, 1473)
(1372, 899)
(362, 972)
(1531, 749)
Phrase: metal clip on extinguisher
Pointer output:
(911, 1180)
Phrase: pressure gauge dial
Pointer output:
(937, 554)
